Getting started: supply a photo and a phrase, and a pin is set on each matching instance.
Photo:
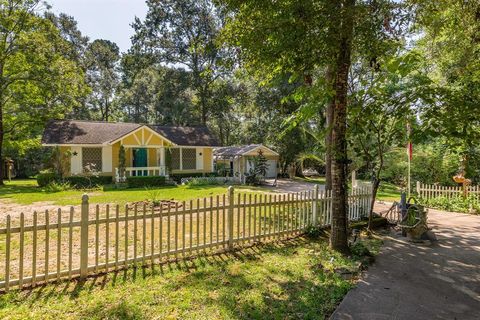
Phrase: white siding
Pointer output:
(76, 161)
(107, 159)
(200, 152)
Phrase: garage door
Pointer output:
(272, 169)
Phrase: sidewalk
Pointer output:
(409, 281)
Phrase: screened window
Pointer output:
(92, 159)
(189, 158)
(175, 158)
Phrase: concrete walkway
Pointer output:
(289, 185)
(409, 281)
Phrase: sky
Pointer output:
(103, 19)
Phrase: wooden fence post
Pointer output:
(84, 238)
(315, 206)
(231, 200)
(418, 188)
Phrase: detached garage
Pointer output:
(239, 160)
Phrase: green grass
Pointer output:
(292, 280)
(318, 180)
(27, 192)
(388, 192)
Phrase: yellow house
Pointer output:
(150, 150)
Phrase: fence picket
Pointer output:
(7, 255)
(22, 255)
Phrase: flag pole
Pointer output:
(409, 155)
(409, 163)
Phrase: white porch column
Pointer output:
(76, 160)
(181, 160)
(162, 156)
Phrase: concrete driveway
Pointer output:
(409, 281)
(289, 185)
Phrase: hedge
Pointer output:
(177, 177)
(87, 182)
(45, 178)
(140, 181)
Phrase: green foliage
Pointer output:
(431, 163)
(177, 177)
(359, 249)
(102, 57)
(154, 195)
(470, 204)
(122, 162)
(139, 182)
(45, 178)
(55, 186)
(87, 182)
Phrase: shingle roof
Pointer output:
(235, 151)
(187, 136)
(58, 132)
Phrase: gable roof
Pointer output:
(238, 150)
(68, 132)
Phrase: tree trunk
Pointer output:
(2, 164)
(328, 145)
(339, 234)
(375, 185)
(328, 135)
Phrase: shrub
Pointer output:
(45, 178)
(81, 182)
(208, 181)
(470, 204)
(55, 186)
(177, 177)
(139, 182)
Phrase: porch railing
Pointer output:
(142, 171)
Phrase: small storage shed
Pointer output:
(238, 160)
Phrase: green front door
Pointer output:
(140, 160)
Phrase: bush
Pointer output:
(81, 182)
(55, 186)
(470, 204)
(140, 182)
(177, 177)
(45, 178)
(208, 181)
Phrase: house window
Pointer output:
(189, 158)
(175, 158)
(92, 159)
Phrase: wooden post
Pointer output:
(231, 199)
(418, 188)
(84, 238)
(315, 206)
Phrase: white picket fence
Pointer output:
(431, 191)
(51, 246)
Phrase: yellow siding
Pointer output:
(152, 157)
(207, 160)
(129, 140)
(155, 140)
(128, 157)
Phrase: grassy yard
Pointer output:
(388, 192)
(27, 192)
(289, 280)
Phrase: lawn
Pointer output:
(388, 192)
(27, 192)
(289, 280)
